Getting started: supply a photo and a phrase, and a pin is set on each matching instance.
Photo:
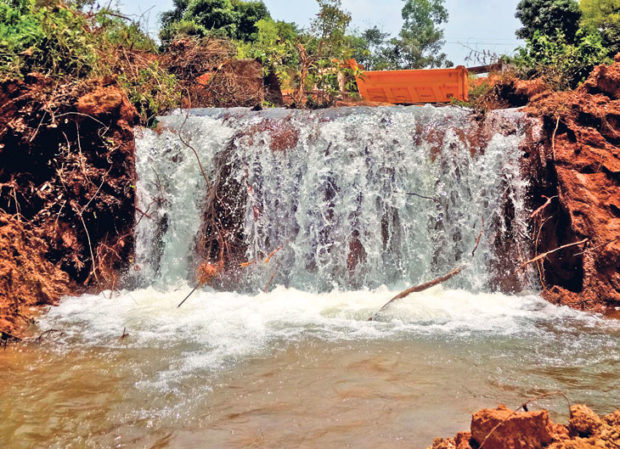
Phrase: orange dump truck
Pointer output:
(414, 86)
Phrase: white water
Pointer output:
(414, 197)
(217, 330)
(301, 366)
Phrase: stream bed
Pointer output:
(291, 369)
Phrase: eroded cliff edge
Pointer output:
(67, 183)
(575, 174)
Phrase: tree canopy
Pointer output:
(604, 16)
(420, 40)
(548, 18)
(235, 19)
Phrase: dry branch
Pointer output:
(541, 208)
(473, 252)
(422, 287)
(439, 280)
(544, 255)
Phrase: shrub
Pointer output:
(52, 40)
(563, 65)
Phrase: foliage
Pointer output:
(181, 29)
(151, 90)
(548, 17)
(604, 16)
(323, 52)
(50, 40)
(235, 19)
(370, 48)
(64, 43)
(249, 13)
(117, 31)
(175, 14)
(420, 41)
(275, 47)
(329, 27)
(562, 63)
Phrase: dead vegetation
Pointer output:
(67, 180)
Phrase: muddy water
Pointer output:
(291, 369)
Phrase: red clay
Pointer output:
(67, 204)
(580, 161)
(502, 428)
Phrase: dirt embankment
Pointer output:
(502, 428)
(67, 182)
(575, 173)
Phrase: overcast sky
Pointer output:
(477, 24)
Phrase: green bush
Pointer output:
(152, 90)
(50, 40)
(64, 43)
(275, 47)
(116, 31)
(563, 65)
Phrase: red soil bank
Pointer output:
(67, 182)
(502, 428)
(578, 165)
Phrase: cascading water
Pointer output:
(334, 212)
(346, 198)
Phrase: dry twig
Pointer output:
(544, 255)
(422, 287)
(541, 208)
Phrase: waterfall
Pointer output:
(339, 198)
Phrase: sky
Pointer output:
(473, 24)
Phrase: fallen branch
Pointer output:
(557, 125)
(48, 332)
(439, 280)
(422, 287)
(602, 245)
(473, 252)
(188, 145)
(544, 255)
(273, 275)
(422, 196)
(189, 294)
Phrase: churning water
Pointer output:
(358, 203)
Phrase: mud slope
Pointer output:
(66, 191)
(578, 169)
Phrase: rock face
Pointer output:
(502, 428)
(578, 167)
(27, 278)
(67, 197)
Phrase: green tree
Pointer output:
(234, 19)
(175, 14)
(604, 16)
(275, 47)
(370, 48)
(548, 17)
(248, 15)
(420, 40)
(329, 27)
(214, 15)
(561, 63)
